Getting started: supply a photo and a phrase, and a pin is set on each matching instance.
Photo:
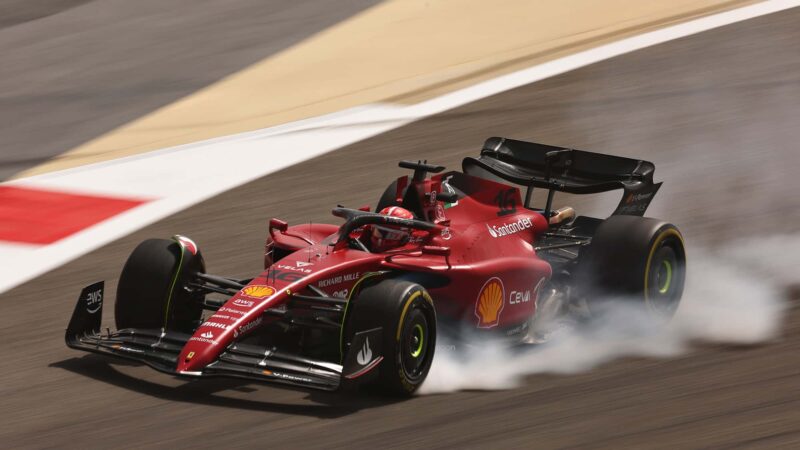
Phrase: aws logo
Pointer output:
(258, 291)
(491, 300)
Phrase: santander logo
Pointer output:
(509, 228)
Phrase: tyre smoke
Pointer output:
(736, 296)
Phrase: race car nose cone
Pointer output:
(203, 348)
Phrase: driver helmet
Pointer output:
(387, 237)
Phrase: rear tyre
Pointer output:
(635, 259)
(405, 312)
(150, 292)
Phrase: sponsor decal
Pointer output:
(339, 279)
(207, 335)
(506, 201)
(635, 204)
(303, 264)
(221, 326)
(247, 327)
(221, 317)
(509, 228)
(94, 301)
(298, 268)
(128, 349)
(258, 291)
(517, 329)
(189, 356)
(637, 197)
(288, 377)
(202, 339)
(364, 355)
(445, 234)
(439, 212)
(187, 243)
(432, 198)
(340, 294)
(234, 311)
(446, 185)
(517, 297)
(284, 275)
(242, 302)
(394, 219)
(489, 305)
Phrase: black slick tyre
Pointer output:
(637, 259)
(150, 293)
(405, 312)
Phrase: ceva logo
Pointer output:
(509, 228)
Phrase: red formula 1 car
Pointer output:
(333, 308)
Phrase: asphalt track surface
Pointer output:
(74, 69)
(717, 113)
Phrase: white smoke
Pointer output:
(736, 295)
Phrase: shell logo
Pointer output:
(258, 291)
(490, 303)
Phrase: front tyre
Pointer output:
(405, 312)
(150, 292)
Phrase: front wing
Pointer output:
(160, 349)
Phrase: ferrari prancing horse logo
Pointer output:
(491, 300)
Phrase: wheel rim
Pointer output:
(418, 337)
(414, 344)
(665, 280)
(664, 276)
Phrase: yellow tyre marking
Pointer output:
(405, 309)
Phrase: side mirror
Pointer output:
(278, 224)
(448, 197)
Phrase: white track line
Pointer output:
(181, 176)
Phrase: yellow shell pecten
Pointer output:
(258, 291)
(490, 302)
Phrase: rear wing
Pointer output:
(560, 169)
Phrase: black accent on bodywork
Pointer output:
(365, 353)
(636, 199)
(355, 219)
(87, 313)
